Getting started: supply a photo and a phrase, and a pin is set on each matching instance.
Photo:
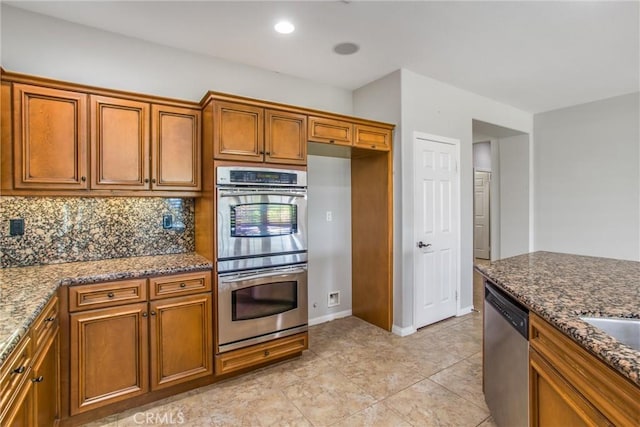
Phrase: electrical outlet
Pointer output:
(16, 227)
(329, 216)
(334, 299)
(167, 221)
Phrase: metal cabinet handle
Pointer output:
(268, 153)
(183, 285)
(146, 180)
(49, 319)
(19, 370)
(153, 313)
(38, 380)
(422, 245)
(83, 178)
(144, 314)
(153, 181)
(331, 141)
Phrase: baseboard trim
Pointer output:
(329, 317)
(403, 332)
(466, 310)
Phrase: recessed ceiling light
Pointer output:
(346, 48)
(284, 27)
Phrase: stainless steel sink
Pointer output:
(626, 331)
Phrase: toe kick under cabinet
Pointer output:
(132, 337)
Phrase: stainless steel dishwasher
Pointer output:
(506, 358)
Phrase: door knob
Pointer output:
(422, 245)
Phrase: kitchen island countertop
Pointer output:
(24, 291)
(562, 287)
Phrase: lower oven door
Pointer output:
(261, 305)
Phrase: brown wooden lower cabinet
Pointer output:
(109, 356)
(568, 386)
(555, 401)
(129, 346)
(181, 340)
(261, 353)
(30, 377)
(46, 384)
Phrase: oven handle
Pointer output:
(227, 193)
(260, 275)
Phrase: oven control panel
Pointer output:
(236, 175)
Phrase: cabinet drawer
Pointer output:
(85, 297)
(45, 324)
(373, 137)
(330, 131)
(183, 284)
(14, 372)
(261, 353)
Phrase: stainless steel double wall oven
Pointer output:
(261, 254)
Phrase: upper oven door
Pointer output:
(261, 221)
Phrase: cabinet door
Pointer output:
(181, 340)
(553, 401)
(238, 132)
(285, 137)
(373, 138)
(119, 144)
(50, 138)
(20, 413)
(109, 356)
(46, 384)
(330, 131)
(176, 148)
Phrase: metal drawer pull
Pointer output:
(38, 380)
(50, 319)
(110, 295)
(183, 285)
(266, 353)
(19, 370)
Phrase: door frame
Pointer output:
(458, 259)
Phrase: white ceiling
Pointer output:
(536, 55)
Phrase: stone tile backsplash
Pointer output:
(68, 229)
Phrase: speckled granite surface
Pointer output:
(24, 291)
(71, 229)
(562, 287)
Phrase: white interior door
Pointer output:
(481, 221)
(436, 211)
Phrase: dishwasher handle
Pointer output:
(509, 309)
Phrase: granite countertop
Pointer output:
(562, 287)
(24, 291)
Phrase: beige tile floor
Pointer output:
(354, 374)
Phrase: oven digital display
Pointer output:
(262, 177)
(264, 220)
(264, 300)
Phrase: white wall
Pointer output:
(329, 189)
(587, 179)
(433, 107)
(514, 195)
(482, 156)
(48, 47)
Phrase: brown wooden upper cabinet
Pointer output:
(176, 146)
(125, 156)
(248, 133)
(120, 144)
(372, 137)
(50, 138)
(330, 131)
